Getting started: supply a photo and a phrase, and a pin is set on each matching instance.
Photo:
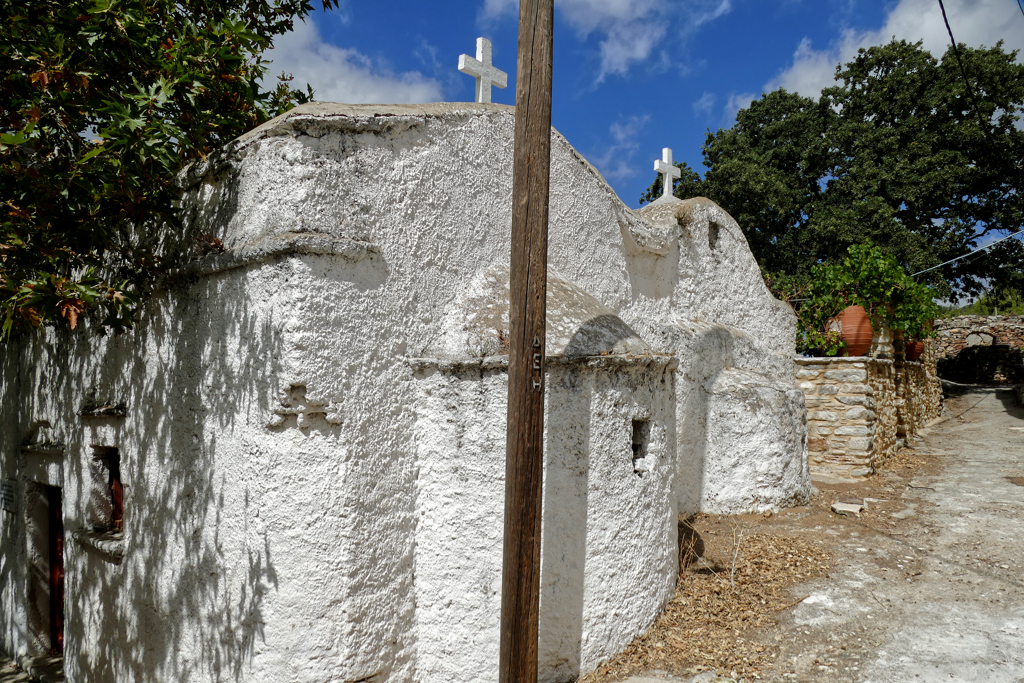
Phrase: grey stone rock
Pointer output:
(860, 414)
(851, 375)
(857, 389)
(865, 401)
(860, 443)
(853, 430)
(847, 508)
(828, 389)
(979, 339)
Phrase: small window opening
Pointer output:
(108, 488)
(641, 437)
(713, 230)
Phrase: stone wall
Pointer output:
(978, 349)
(860, 410)
(919, 394)
(964, 331)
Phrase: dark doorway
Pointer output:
(987, 365)
(56, 542)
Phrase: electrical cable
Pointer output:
(963, 72)
(981, 123)
(954, 260)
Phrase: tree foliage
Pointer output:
(894, 153)
(102, 102)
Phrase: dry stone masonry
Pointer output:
(953, 335)
(980, 349)
(860, 410)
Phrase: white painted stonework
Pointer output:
(311, 423)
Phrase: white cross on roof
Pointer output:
(668, 170)
(486, 75)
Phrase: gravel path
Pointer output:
(929, 582)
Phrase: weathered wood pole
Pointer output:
(524, 445)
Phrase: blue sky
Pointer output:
(630, 76)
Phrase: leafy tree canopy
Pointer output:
(895, 152)
(102, 102)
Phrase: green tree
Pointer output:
(102, 103)
(895, 152)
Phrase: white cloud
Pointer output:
(974, 22)
(705, 104)
(629, 31)
(616, 162)
(736, 102)
(342, 75)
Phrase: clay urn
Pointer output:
(914, 349)
(855, 328)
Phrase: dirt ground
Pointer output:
(924, 585)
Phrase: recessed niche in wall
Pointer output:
(714, 229)
(106, 493)
(641, 438)
(105, 501)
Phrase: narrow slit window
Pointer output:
(107, 482)
(641, 439)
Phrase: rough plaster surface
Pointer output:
(757, 427)
(271, 453)
(577, 323)
(605, 572)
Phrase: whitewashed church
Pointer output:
(292, 470)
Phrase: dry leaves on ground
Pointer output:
(713, 619)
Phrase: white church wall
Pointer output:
(13, 564)
(757, 431)
(425, 187)
(224, 568)
(609, 545)
(271, 526)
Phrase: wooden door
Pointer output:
(56, 515)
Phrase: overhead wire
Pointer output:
(981, 123)
(963, 72)
(954, 260)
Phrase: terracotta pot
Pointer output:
(914, 349)
(855, 328)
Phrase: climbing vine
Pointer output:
(867, 277)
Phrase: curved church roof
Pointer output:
(577, 323)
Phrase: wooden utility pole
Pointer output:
(524, 445)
